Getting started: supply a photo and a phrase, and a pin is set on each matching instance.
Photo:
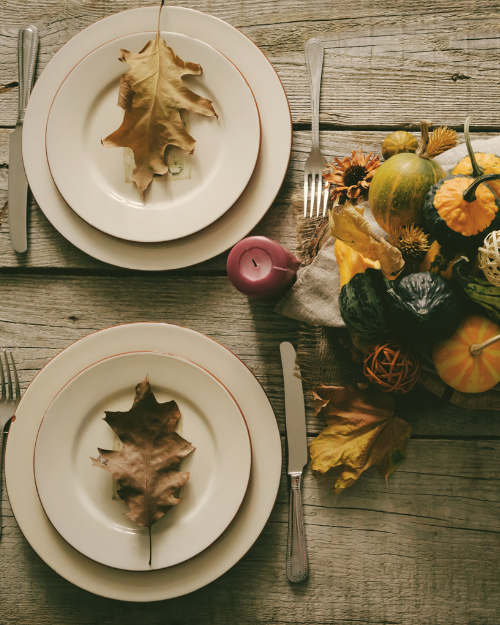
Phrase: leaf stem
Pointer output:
(150, 542)
(159, 17)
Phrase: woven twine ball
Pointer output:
(489, 257)
(392, 367)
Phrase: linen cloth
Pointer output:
(325, 353)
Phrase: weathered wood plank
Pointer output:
(424, 548)
(41, 315)
(385, 63)
(47, 248)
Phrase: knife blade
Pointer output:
(18, 184)
(296, 434)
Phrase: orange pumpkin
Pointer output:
(465, 371)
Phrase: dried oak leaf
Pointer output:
(362, 431)
(145, 468)
(152, 93)
(349, 224)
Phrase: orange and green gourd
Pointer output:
(468, 360)
(478, 163)
(400, 185)
(460, 211)
(398, 142)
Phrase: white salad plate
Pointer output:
(228, 548)
(93, 179)
(81, 500)
(240, 218)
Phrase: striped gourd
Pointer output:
(478, 289)
(400, 185)
(465, 371)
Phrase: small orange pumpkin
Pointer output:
(463, 360)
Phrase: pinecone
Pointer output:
(440, 140)
(413, 244)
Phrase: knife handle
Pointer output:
(26, 60)
(296, 557)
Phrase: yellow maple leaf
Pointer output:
(348, 224)
(152, 94)
(362, 431)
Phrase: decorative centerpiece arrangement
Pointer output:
(424, 295)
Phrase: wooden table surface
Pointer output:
(423, 549)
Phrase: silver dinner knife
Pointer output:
(18, 184)
(296, 558)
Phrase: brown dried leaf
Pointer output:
(362, 431)
(145, 467)
(152, 93)
(350, 226)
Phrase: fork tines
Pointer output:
(7, 390)
(317, 189)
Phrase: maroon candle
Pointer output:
(261, 268)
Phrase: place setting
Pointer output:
(227, 156)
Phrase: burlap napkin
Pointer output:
(324, 349)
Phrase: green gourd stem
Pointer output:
(424, 139)
(476, 348)
(469, 194)
(476, 170)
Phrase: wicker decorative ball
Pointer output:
(489, 257)
(392, 367)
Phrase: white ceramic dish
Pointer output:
(92, 179)
(232, 544)
(254, 201)
(78, 497)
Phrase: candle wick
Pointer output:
(253, 261)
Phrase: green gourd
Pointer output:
(400, 185)
(361, 297)
(423, 307)
(477, 288)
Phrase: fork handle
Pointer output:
(3, 436)
(314, 61)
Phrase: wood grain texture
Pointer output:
(41, 315)
(386, 63)
(48, 249)
(423, 548)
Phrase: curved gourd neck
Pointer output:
(476, 170)
(469, 194)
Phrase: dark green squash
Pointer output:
(481, 212)
(477, 288)
(423, 307)
(361, 303)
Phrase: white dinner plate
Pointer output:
(80, 499)
(257, 196)
(230, 546)
(93, 179)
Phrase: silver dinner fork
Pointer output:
(315, 162)
(9, 382)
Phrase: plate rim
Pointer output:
(155, 239)
(175, 356)
(68, 569)
(224, 233)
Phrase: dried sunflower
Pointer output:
(350, 178)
